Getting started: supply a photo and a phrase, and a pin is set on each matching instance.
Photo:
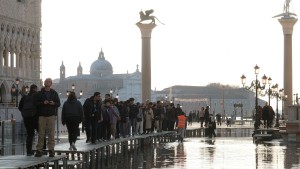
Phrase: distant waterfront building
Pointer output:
(226, 100)
(20, 47)
(102, 79)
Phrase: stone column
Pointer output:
(12, 61)
(18, 63)
(1, 59)
(146, 30)
(287, 24)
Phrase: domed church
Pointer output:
(101, 79)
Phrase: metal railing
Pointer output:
(13, 131)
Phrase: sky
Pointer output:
(202, 42)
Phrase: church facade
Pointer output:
(20, 48)
(101, 79)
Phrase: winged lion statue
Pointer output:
(147, 16)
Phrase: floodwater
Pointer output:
(218, 153)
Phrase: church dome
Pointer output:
(101, 67)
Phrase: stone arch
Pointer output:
(4, 92)
(2, 27)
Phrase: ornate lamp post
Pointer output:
(255, 84)
(279, 95)
(269, 90)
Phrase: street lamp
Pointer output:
(111, 92)
(269, 90)
(283, 98)
(80, 94)
(255, 84)
(73, 87)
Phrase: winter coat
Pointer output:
(72, 109)
(148, 118)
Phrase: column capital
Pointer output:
(146, 29)
(287, 24)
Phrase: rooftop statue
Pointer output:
(147, 16)
(286, 10)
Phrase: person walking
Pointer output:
(93, 116)
(265, 114)
(47, 102)
(218, 116)
(170, 116)
(211, 127)
(114, 116)
(71, 115)
(181, 126)
(206, 116)
(149, 116)
(28, 108)
(139, 119)
(133, 111)
(201, 116)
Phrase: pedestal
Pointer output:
(292, 132)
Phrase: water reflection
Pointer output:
(223, 152)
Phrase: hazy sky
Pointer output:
(202, 42)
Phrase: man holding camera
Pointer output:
(47, 103)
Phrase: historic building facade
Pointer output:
(20, 47)
(101, 79)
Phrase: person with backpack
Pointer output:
(71, 116)
(28, 108)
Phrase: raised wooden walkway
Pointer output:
(100, 155)
(266, 134)
(21, 161)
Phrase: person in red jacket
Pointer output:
(181, 125)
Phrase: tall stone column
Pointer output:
(146, 30)
(287, 24)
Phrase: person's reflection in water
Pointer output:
(181, 155)
(211, 141)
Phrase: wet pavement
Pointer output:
(234, 152)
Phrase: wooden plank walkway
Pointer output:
(105, 153)
(23, 162)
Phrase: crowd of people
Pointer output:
(112, 119)
(108, 118)
(102, 119)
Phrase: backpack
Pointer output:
(29, 108)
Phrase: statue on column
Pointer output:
(286, 10)
(147, 16)
(286, 7)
